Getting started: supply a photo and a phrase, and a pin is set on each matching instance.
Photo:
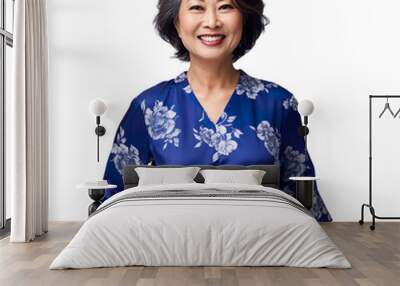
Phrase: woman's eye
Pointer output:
(226, 6)
(196, 7)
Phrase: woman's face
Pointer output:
(209, 29)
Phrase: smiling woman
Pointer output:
(213, 113)
(244, 18)
(209, 31)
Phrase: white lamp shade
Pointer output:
(305, 107)
(97, 107)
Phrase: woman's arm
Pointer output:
(293, 160)
(130, 147)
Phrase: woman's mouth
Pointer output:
(212, 40)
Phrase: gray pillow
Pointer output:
(249, 177)
(163, 176)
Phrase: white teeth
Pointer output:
(211, 38)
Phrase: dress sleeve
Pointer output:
(131, 147)
(293, 160)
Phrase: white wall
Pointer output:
(335, 53)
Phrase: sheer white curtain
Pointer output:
(29, 121)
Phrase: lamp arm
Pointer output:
(304, 131)
(98, 145)
(98, 136)
(100, 131)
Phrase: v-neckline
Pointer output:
(226, 105)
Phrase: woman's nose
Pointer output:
(211, 19)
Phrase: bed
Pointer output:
(197, 224)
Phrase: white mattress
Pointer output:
(189, 231)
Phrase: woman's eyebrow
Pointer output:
(204, 0)
(187, 1)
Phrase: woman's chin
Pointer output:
(212, 57)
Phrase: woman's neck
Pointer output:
(212, 76)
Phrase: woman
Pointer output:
(213, 113)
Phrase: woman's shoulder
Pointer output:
(157, 92)
(254, 88)
(257, 88)
(266, 92)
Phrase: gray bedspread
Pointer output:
(201, 224)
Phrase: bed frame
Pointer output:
(270, 179)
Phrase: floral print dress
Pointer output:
(166, 124)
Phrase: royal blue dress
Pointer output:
(166, 124)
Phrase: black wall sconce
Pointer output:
(97, 107)
(305, 108)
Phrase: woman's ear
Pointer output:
(177, 27)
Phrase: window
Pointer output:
(6, 44)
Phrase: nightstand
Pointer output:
(96, 193)
(304, 190)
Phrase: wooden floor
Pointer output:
(375, 257)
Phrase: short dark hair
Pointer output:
(254, 23)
